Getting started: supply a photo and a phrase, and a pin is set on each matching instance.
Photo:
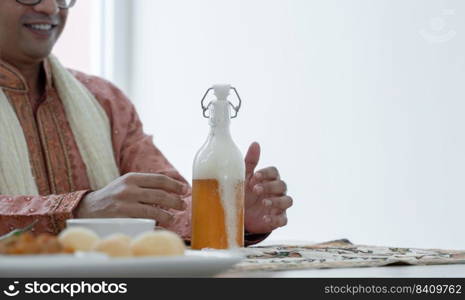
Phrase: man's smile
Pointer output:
(41, 28)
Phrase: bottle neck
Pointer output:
(220, 119)
(220, 132)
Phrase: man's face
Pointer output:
(28, 33)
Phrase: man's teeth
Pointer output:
(44, 27)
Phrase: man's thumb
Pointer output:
(251, 159)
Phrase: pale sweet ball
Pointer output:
(116, 245)
(157, 243)
(78, 238)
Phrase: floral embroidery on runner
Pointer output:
(340, 254)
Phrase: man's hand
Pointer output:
(266, 201)
(135, 195)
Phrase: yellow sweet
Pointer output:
(157, 243)
(117, 245)
(78, 238)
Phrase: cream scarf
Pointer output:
(90, 126)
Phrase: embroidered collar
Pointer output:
(12, 79)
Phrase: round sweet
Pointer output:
(116, 245)
(157, 243)
(78, 238)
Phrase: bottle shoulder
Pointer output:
(217, 158)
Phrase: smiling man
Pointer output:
(72, 145)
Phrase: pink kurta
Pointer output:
(57, 165)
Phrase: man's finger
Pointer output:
(137, 210)
(251, 159)
(280, 203)
(279, 221)
(274, 222)
(160, 197)
(276, 187)
(157, 181)
(267, 174)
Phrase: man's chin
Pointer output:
(38, 54)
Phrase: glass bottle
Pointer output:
(218, 180)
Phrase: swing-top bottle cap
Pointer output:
(222, 91)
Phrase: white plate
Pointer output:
(195, 263)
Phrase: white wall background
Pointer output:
(359, 103)
(97, 40)
(76, 48)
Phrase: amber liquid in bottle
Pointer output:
(209, 222)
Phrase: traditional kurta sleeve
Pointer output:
(51, 211)
(139, 154)
(135, 150)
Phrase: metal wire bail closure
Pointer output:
(206, 108)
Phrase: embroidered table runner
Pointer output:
(340, 254)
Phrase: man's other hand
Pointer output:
(136, 195)
(266, 200)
